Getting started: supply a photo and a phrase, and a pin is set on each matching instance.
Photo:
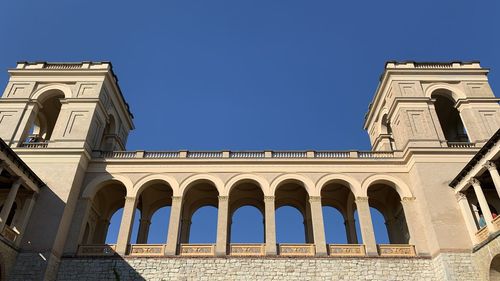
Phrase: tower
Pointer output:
(432, 105)
(53, 115)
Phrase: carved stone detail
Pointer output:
(314, 199)
(296, 249)
(96, 250)
(474, 181)
(361, 199)
(460, 196)
(397, 250)
(346, 250)
(490, 165)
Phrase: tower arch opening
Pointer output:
(449, 117)
(44, 122)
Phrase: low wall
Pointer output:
(247, 269)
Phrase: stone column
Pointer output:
(173, 226)
(142, 235)
(492, 168)
(366, 226)
(270, 225)
(470, 222)
(7, 206)
(30, 203)
(126, 225)
(317, 225)
(414, 224)
(350, 226)
(485, 209)
(223, 208)
(100, 231)
(185, 229)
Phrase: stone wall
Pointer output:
(7, 259)
(247, 269)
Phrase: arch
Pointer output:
(454, 92)
(307, 183)
(494, 268)
(49, 91)
(353, 184)
(149, 179)
(401, 188)
(234, 181)
(190, 181)
(93, 186)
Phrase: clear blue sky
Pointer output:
(249, 74)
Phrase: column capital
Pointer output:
(314, 199)
(460, 196)
(361, 199)
(128, 198)
(269, 198)
(474, 182)
(223, 198)
(407, 199)
(490, 165)
(17, 180)
(176, 198)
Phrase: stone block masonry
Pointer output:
(184, 269)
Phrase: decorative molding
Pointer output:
(407, 199)
(269, 198)
(490, 165)
(474, 181)
(460, 196)
(361, 199)
(223, 198)
(314, 199)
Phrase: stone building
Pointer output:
(431, 173)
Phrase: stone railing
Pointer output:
(482, 234)
(204, 154)
(9, 233)
(118, 154)
(396, 250)
(42, 144)
(289, 154)
(496, 222)
(63, 66)
(350, 250)
(147, 250)
(245, 154)
(376, 154)
(247, 249)
(96, 250)
(161, 154)
(461, 144)
(296, 250)
(197, 250)
(332, 154)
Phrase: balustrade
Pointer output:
(296, 250)
(247, 154)
(332, 154)
(289, 154)
(9, 234)
(396, 250)
(118, 154)
(204, 154)
(161, 154)
(196, 250)
(247, 249)
(147, 250)
(346, 250)
(461, 144)
(97, 250)
(43, 144)
(376, 154)
(482, 234)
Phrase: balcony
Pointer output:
(10, 234)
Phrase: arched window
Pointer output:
(45, 120)
(151, 222)
(495, 269)
(293, 213)
(449, 117)
(388, 218)
(199, 213)
(246, 209)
